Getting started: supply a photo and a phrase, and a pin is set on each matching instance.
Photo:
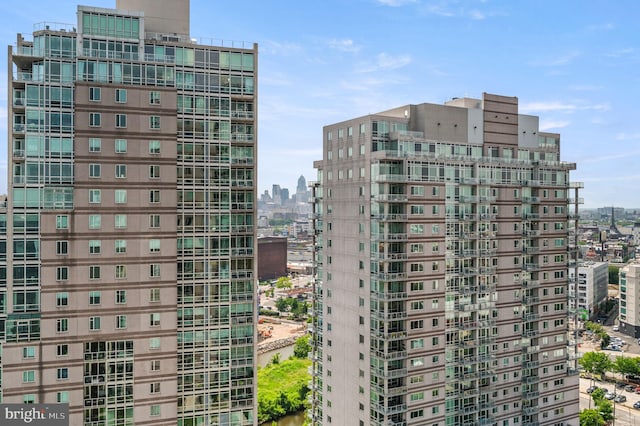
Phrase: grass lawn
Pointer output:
(282, 388)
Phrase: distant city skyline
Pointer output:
(573, 63)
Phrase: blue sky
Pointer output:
(574, 63)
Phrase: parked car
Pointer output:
(636, 405)
(621, 385)
(616, 328)
(590, 389)
(610, 395)
(620, 398)
(638, 390)
(630, 388)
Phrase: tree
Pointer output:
(284, 282)
(613, 274)
(598, 396)
(595, 363)
(591, 417)
(626, 366)
(281, 304)
(606, 410)
(302, 347)
(275, 359)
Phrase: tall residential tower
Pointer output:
(127, 288)
(442, 250)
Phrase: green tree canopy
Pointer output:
(302, 347)
(591, 417)
(595, 362)
(626, 366)
(284, 282)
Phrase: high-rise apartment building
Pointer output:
(629, 307)
(591, 287)
(441, 256)
(127, 283)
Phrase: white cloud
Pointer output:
(628, 136)
(558, 124)
(477, 15)
(345, 45)
(385, 62)
(278, 48)
(395, 3)
(561, 107)
(601, 27)
(616, 156)
(620, 52)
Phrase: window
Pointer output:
(154, 147)
(121, 196)
(95, 144)
(94, 272)
(154, 295)
(94, 119)
(62, 299)
(28, 376)
(62, 325)
(29, 352)
(95, 246)
(121, 297)
(154, 172)
(94, 196)
(121, 121)
(154, 270)
(94, 323)
(121, 171)
(62, 397)
(62, 350)
(94, 170)
(62, 247)
(29, 398)
(154, 246)
(121, 321)
(121, 221)
(121, 96)
(95, 297)
(154, 221)
(154, 122)
(62, 273)
(154, 343)
(121, 246)
(95, 221)
(155, 365)
(121, 146)
(154, 319)
(154, 387)
(95, 94)
(62, 221)
(154, 97)
(154, 196)
(154, 410)
(121, 271)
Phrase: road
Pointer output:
(625, 414)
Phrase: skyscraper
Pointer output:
(128, 284)
(441, 255)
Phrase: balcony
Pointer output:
(531, 267)
(389, 276)
(395, 198)
(386, 297)
(396, 217)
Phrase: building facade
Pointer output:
(441, 254)
(128, 284)
(592, 286)
(629, 305)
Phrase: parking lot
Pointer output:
(626, 414)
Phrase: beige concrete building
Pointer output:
(441, 248)
(629, 305)
(127, 288)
